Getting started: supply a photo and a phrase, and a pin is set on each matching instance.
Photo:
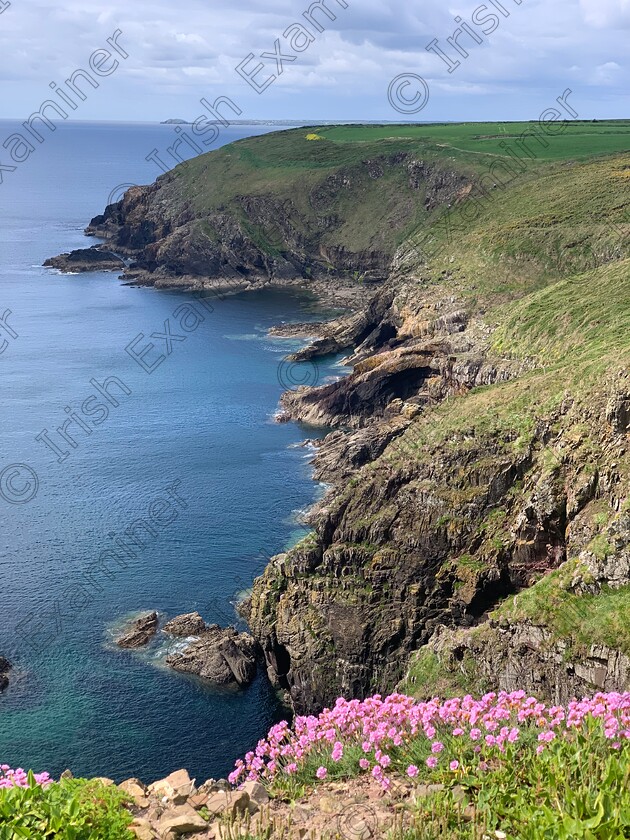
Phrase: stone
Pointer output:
(176, 787)
(139, 631)
(5, 667)
(182, 819)
(189, 624)
(103, 780)
(459, 795)
(427, 790)
(258, 796)
(328, 805)
(142, 829)
(198, 800)
(220, 655)
(86, 259)
(228, 802)
(137, 790)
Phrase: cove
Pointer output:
(204, 417)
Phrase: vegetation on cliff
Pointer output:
(481, 437)
(492, 388)
(280, 207)
(476, 533)
(502, 766)
(34, 807)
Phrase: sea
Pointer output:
(188, 456)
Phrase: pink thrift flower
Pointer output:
(432, 762)
(412, 771)
(321, 773)
(454, 765)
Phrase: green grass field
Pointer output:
(579, 140)
(385, 212)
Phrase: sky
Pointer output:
(370, 63)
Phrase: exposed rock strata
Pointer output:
(190, 624)
(514, 657)
(181, 240)
(427, 535)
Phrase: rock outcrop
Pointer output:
(177, 806)
(190, 624)
(139, 631)
(5, 667)
(423, 530)
(220, 655)
(87, 259)
(524, 656)
(474, 453)
(231, 235)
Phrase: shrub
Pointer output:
(32, 807)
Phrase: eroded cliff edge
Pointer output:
(476, 528)
(273, 209)
(476, 533)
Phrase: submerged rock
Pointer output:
(221, 655)
(5, 667)
(139, 632)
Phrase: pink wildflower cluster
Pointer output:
(378, 734)
(19, 778)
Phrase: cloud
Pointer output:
(179, 52)
(606, 74)
(606, 13)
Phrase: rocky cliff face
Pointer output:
(176, 236)
(477, 458)
(427, 529)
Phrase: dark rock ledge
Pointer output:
(5, 667)
(87, 259)
(221, 655)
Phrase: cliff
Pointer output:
(476, 528)
(476, 534)
(276, 208)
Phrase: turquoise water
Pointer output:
(201, 424)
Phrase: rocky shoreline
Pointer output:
(83, 260)
(454, 487)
